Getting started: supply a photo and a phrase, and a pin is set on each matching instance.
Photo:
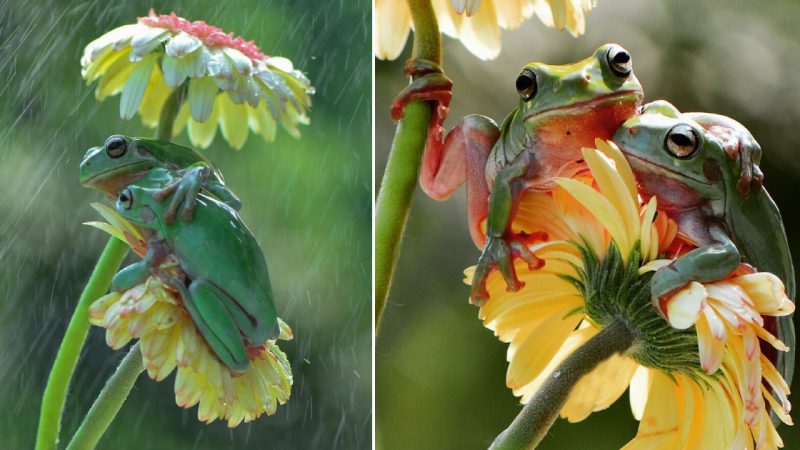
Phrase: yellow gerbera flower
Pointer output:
(228, 80)
(476, 23)
(153, 313)
(685, 397)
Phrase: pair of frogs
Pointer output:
(703, 167)
(188, 215)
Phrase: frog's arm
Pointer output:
(137, 272)
(705, 264)
(186, 187)
(462, 155)
(739, 144)
(500, 249)
(130, 276)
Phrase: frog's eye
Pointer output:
(116, 146)
(682, 141)
(619, 60)
(526, 84)
(126, 199)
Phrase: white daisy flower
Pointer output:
(227, 81)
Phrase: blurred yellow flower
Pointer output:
(688, 399)
(154, 313)
(228, 80)
(476, 23)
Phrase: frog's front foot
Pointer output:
(500, 252)
(667, 282)
(740, 145)
(429, 84)
(184, 192)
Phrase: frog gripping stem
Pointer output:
(429, 83)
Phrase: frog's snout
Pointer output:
(87, 159)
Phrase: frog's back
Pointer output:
(231, 259)
(177, 156)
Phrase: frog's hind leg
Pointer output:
(206, 305)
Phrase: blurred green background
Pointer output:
(307, 201)
(440, 376)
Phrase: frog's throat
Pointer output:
(659, 168)
(630, 95)
(125, 171)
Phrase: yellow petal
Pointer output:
(603, 211)
(600, 388)
(480, 33)
(391, 24)
(232, 120)
(532, 353)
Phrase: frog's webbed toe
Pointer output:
(500, 253)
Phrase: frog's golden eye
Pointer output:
(125, 199)
(116, 146)
(619, 60)
(682, 141)
(526, 84)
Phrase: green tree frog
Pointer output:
(124, 160)
(225, 283)
(700, 185)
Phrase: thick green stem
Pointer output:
(55, 393)
(402, 168)
(170, 111)
(109, 401)
(536, 418)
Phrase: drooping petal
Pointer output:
(135, 86)
(202, 94)
(683, 308)
(391, 24)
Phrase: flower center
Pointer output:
(208, 34)
(613, 291)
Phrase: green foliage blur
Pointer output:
(440, 375)
(307, 201)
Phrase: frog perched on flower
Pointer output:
(207, 311)
(707, 387)
(225, 80)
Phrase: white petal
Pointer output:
(117, 37)
(175, 71)
(242, 63)
(135, 86)
(202, 92)
(280, 63)
(684, 308)
(459, 5)
(472, 6)
(182, 44)
(146, 40)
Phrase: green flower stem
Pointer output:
(402, 168)
(109, 401)
(170, 111)
(55, 392)
(536, 418)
